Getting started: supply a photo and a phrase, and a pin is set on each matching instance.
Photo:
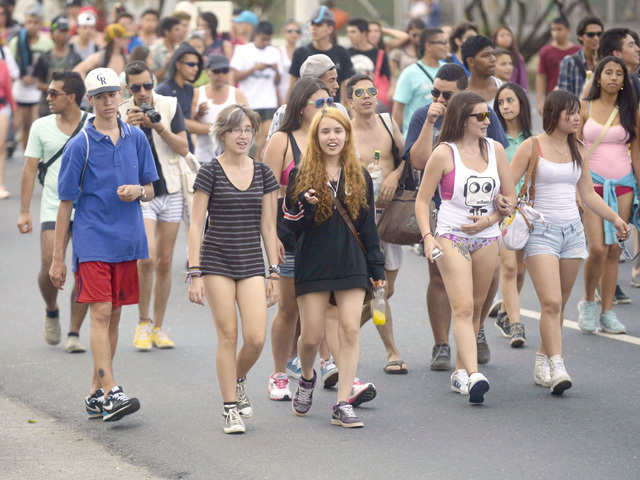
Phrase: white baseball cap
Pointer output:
(86, 19)
(100, 80)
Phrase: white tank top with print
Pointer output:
(473, 194)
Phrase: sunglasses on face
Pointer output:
(438, 42)
(219, 71)
(319, 103)
(481, 117)
(293, 30)
(190, 64)
(435, 93)
(135, 88)
(372, 91)
(55, 94)
(593, 34)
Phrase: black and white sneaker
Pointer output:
(93, 404)
(518, 338)
(117, 404)
(503, 324)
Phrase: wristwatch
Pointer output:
(143, 194)
(274, 269)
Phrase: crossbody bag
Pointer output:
(44, 166)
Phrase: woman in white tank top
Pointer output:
(470, 171)
(207, 110)
(556, 248)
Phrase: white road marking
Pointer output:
(574, 326)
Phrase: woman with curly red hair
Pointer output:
(330, 206)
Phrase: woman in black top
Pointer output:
(227, 267)
(283, 154)
(330, 263)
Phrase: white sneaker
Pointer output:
(279, 387)
(478, 386)
(52, 330)
(460, 382)
(560, 379)
(542, 371)
(73, 345)
(362, 392)
(233, 422)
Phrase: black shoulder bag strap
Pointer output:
(404, 183)
(43, 167)
(352, 228)
(425, 71)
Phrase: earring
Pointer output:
(622, 88)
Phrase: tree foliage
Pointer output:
(537, 30)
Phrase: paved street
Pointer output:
(415, 428)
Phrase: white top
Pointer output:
(205, 148)
(555, 194)
(285, 77)
(258, 87)
(473, 194)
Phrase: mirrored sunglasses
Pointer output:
(372, 91)
(320, 102)
(481, 117)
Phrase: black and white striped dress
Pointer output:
(231, 245)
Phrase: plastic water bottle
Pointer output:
(379, 305)
(376, 173)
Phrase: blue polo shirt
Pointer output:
(105, 228)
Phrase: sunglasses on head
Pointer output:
(55, 94)
(135, 88)
(481, 117)
(435, 93)
(359, 92)
(190, 64)
(593, 34)
(320, 102)
(218, 71)
(294, 30)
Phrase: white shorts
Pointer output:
(5, 110)
(165, 208)
(392, 256)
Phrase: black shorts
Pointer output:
(44, 226)
(27, 104)
(266, 113)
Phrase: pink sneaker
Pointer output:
(362, 392)
(279, 387)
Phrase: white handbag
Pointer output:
(517, 227)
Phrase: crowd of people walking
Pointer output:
(330, 163)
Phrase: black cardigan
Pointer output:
(328, 257)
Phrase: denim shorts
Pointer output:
(288, 268)
(562, 241)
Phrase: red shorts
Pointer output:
(100, 282)
(620, 190)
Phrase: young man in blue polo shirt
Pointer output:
(106, 169)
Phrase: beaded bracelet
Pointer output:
(425, 236)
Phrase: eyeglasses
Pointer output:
(190, 64)
(293, 30)
(372, 91)
(320, 102)
(435, 93)
(55, 94)
(481, 117)
(135, 88)
(218, 71)
(240, 131)
(593, 34)
(438, 42)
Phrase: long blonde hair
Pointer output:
(313, 174)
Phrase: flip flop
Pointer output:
(396, 371)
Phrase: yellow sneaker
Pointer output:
(161, 340)
(142, 340)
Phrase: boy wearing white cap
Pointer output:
(106, 169)
(83, 41)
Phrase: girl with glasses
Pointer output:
(469, 171)
(227, 267)
(514, 112)
(329, 205)
(556, 248)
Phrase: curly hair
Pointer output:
(313, 174)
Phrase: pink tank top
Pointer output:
(611, 158)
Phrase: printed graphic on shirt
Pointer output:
(478, 193)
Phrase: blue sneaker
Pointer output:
(328, 373)
(609, 323)
(587, 316)
(294, 369)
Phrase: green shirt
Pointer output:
(514, 143)
(413, 89)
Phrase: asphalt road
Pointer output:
(415, 428)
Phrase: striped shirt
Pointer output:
(231, 245)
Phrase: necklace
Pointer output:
(563, 153)
(334, 177)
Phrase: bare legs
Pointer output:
(105, 322)
(512, 270)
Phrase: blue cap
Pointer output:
(323, 15)
(247, 16)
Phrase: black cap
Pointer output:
(61, 22)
